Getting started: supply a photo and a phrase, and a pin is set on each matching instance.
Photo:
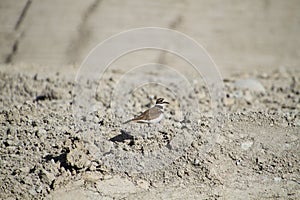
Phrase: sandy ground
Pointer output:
(255, 154)
(237, 34)
(247, 149)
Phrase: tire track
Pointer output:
(15, 46)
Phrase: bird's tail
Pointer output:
(128, 121)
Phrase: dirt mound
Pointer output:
(255, 154)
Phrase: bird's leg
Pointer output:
(147, 130)
(142, 132)
(152, 130)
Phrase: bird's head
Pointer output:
(161, 102)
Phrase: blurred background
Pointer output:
(256, 35)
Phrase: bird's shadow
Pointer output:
(122, 137)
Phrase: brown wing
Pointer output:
(145, 115)
(148, 114)
(142, 116)
(155, 112)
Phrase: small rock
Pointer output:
(107, 176)
(9, 142)
(143, 184)
(52, 161)
(297, 122)
(177, 125)
(11, 149)
(103, 146)
(46, 176)
(195, 144)
(39, 189)
(57, 182)
(201, 95)
(116, 186)
(250, 84)
(25, 169)
(261, 160)
(264, 75)
(154, 184)
(62, 169)
(93, 166)
(78, 159)
(28, 180)
(92, 176)
(32, 192)
(73, 173)
(196, 162)
(180, 173)
(246, 145)
(248, 97)
(237, 94)
(277, 179)
(126, 148)
(41, 133)
(228, 101)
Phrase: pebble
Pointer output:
(246, 145)
(201, 95)
(237, 94)
(42, 132)
(32, 192)
(107, 176)
(297, 122)
(250, 84)
(47, 177)
(180, 173)
(27, 180)
(58, 181)
(25, 169)
(195, 144)
(238, 162)
(277, 179)
(143, 184)
(92, 176)
(196, 162)
(177, 125)
(9, 142)
(228, 101)
(93, 166)
(77, 158)
(11, 149)
(39, 189)
(248, 97)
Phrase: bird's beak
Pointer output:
(166, 102)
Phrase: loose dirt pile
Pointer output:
(255, 154)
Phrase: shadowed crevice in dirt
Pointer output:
(83, 35)
(62, 158)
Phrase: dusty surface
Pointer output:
(255, 156)
(47, 153)
(237, 34)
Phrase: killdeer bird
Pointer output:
(152, 115)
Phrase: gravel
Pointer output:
(44, 154)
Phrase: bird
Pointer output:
(153, 115)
